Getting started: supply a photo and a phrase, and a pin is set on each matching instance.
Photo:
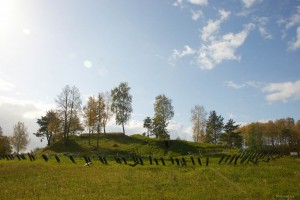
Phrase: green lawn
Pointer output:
(278, 179)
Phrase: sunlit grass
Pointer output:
(51, 180)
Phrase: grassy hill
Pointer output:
(118, 143)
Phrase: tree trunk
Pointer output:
(89, 136)
(104, 129)
(123, 128)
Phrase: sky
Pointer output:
(240, 58)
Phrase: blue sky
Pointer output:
(240, 58)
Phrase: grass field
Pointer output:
(278, 179)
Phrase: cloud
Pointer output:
(262, 22)
(274, 91)
(212, 27)
(197, 14)
(293, 20)
(180, 54)
(251, 84)
(223, 48)
(248, 3)
(294, 45)
(198, 2)
(6, 85)
(282, 91)
(14, 110)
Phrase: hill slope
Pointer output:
(117, 143)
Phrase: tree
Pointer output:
(69, 103)
(90, 115)
(108, 112)
(148, 125)
(159, 128)
(19, 140)
(5, 147)
(198, 119)
(163, 112)
(214, 126)
(231, 136)
(100, 113)
(121, 104)
(49, 125)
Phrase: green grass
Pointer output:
(113, 143)
(50, 180)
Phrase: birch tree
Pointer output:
(198, 119)
(121, 104)
(19, 140)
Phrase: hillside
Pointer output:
(117, 143)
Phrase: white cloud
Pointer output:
(180, 54)
(212, 26)
(248, 3)
(282, 91)
(197, 15)
(262, 22)
(274, 91)
(252, 84)
(198, 2)
(294, 19)
(26, 31)
(234, 85)
(6, 85)
(294, 45)
(223, 48)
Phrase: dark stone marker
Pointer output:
(18, 156)
(141, 161)
(231, 159)
(207, 160)
(162, 160)
(177, 161)
(23, 156)
(155, 160)
(33, 157)
(30, 157)
(105, 161)
(236, 159)
(199, 161)
(183, 161)
(7, 157)
(134, 159)
(86, 159)
(124, 160)
(221, 159)
(72, 159)
(57, 158)
(227, 159)
(45, 157)
(117, 160)
(89, 159)
(192, 159)
(150, 159)
(172, 160)
(101, 159)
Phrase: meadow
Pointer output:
(276, 179)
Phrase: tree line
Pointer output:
(281, 134)
(70, 118)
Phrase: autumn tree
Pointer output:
(163, 112)
(214, 126)
(108, 113)
(90, 115)
(100, 113)
(121, 104)
(198, 119)
(50, 125)
(5, 147)
(19, 140)
(69, 104)
(232, 136)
